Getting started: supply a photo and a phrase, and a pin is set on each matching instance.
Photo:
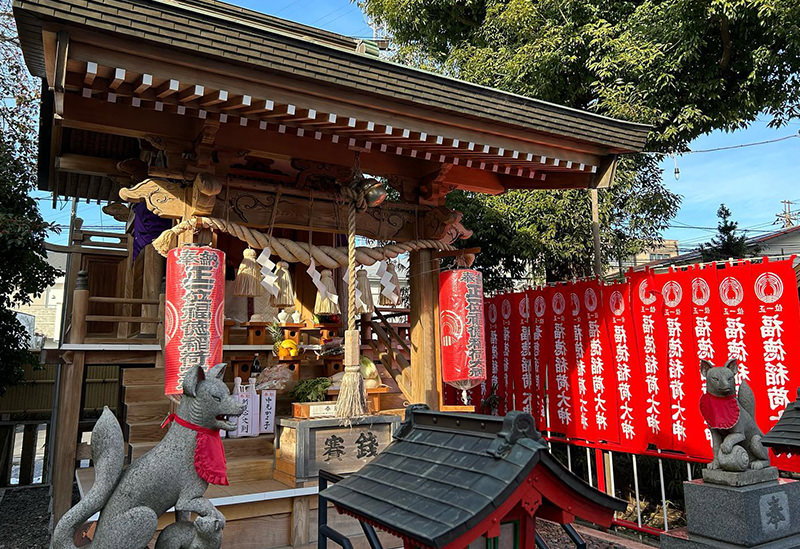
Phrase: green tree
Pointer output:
(727, 243)
(685, 66)
(24, 270)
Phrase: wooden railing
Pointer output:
(392, 349)
(124, 321)
(25, 474)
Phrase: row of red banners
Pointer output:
(616, 366)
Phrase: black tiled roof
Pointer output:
(445, 473)
(215, 29)
(784, 437)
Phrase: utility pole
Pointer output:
(786, 218)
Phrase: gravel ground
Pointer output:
(25, 521)
(555, 537)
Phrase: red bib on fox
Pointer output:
(209, 454)
(719, 412)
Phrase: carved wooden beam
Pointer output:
(253, 207)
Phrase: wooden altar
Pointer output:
(202, 110)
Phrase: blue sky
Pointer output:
(751, 181)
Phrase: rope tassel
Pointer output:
(248, 276)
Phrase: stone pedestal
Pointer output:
(765, 515)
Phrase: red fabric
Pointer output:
(719, 412)
(516, 369)
(505, 383)
(685, 381)
(627, 379)
(493, 377)
(708, 328)
(194, 313)
(209, 453)
(580, 365)
(776, 311)
(540, 349)
(651, 340)
(461, 328)
(562, 359)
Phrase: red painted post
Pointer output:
(601, 469)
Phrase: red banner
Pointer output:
(506, 379)
(580, 376)
(194, 312)
(492, 385)
(628, 379)
(708, 331)
(541, 344)
(652, 344)
(618, 366)
(734, 284)
(777, 314)
(525, 391)
(561, 405)
(683, 366)
(601, 366)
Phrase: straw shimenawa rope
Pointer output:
(352, 399)
(291, 251)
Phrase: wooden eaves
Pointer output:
(161, 69)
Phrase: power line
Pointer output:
(743, 145)
(727, 147)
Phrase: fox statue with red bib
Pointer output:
(731, 418)
(175, 473)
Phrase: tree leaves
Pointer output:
(685, 66)
(24, 270)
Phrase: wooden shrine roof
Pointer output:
(239, 35)
(445, 474)
(168, 68)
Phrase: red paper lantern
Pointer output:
(194, 313)
(461, 329)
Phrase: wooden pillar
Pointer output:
(598, 260)
(424, 280)
(154, 269)
(300, 520)
(68, 404)
(26, 464)
(6, 453)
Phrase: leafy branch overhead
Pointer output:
(686, 67)
(24, 270)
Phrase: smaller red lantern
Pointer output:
(461, 329)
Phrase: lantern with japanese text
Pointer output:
(461, 329)
(194, 312)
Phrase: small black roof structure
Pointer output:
(784, 437)
(446, 473)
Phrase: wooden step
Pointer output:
(249, 469)
(247, 447)
(144, 393)
(143, 412)
(142, 376)
(149, 431)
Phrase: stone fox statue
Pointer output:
(176, 472)
(731, 418)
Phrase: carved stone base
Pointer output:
(764, 515)
(745, 478)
